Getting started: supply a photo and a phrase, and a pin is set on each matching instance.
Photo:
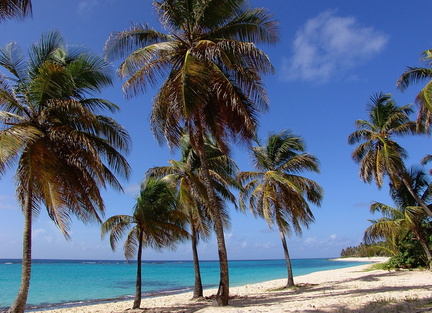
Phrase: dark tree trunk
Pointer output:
(19, 304)
(425, 246)
(198, 288)
(415, 196)
(137, 300)
(222, 295)
(290, 281)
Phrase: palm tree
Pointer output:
(156, 222)
(424, 98)
(186, 176)
(65, 152)
(379, 155)
(406, 217)
(277, 192)
(15, 8)
(213, 80)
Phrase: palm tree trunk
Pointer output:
(290, 281)
(19, 304)
(137, 300)
(425, 246)
(415, 195)
(222, 295)
(198, 288)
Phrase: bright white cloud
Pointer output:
(330, 45)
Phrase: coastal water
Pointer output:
(71, 282)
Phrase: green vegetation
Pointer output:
(64, 152)
(186, 176)
(366, 250)
(403, 231)
(276, 191)
(213, 81)
(156, 222)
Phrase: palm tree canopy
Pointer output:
(186, 175)
(65, 152)
(424, 98)
(406, 216)
(156, 219)
(379, 154)
(276, 191)
(15, 8)
(213, 70)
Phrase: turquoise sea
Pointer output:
(57, 283)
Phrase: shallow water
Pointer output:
(71, 282)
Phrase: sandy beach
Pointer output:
(354, 289)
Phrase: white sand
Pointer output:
(343, 290)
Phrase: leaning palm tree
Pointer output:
(407, 217)
(15, 8)
(277, 192)
(213, 84)
(156, 222)
(379, 155)
(64, 152)
(186, 176)
(424, 98)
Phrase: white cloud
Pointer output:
(310, 241)
(330, 45)
(8, 202)
(132, 189)
(85, 8)
(42, 235)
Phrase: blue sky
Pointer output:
(332, 56)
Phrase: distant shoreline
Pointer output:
(374, 259)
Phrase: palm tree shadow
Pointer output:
(277, 297)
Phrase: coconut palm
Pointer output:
(379, 155)
(64, 152)
(186, 176)
(156, 222)
(406, 217)
(15, 8)
(277, 192)
(424, 98)
(213, 80)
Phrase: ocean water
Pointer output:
(71, 282)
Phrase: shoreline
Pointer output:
(351, 289)
(151, 294)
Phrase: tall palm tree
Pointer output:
(277, 192)
(213, 80)
(424, 98)
(406, 217)
(15, 8)
(156, 222)
(379, 155)
(186, 176)
(65, 152)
